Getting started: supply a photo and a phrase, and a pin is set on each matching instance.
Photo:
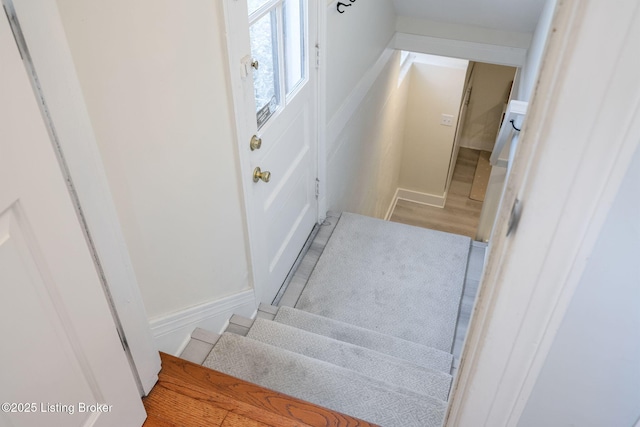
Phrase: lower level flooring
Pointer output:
(460, 214)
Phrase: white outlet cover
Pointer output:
(446, 120)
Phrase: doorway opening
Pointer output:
(454, 112)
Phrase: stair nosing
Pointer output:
(441, 354)
(374, 400)
(441, 381)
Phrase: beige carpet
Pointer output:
(481, 177)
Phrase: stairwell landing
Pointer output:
(371, 323)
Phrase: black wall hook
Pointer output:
(513, 123)
(344, 5)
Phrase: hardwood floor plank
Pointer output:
(270, 415)
(460, 215)
(154, 421)
(231, 406)
(183, 410)
(235, 420)
(203, 389)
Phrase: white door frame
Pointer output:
(242, 118)
(321, 49)
(75, 144)
(582, 128)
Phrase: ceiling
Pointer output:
(506, 15)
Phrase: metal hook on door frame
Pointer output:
(342, 4)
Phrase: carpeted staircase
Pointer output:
(372, 331)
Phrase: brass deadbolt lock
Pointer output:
(255, 143)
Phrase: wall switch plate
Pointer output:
(446, 120)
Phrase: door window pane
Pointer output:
(294, 35)
(264, 49)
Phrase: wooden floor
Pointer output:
(460, 215)
(189, 395)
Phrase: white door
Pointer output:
(62, 361)
(272, 43)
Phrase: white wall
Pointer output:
(364, 158)
(355, 40)
(532, 65)
(491, 87)
(434, 89)
(153, 77)
(445, 30)
(591, 376)
(365, 107)
(462, 41)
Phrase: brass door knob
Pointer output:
(255, 143)
(259, 175)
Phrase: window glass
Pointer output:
(294, 42)
(278, 47)
(264, 49)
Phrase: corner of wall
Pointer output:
(171, 333)
(364, 141)
(533, 62)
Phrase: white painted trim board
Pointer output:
(427, 199)
(322, 111)
(392, 206)
(172, 332)
(351, 104)
(434, 200)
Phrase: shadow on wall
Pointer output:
(491, 86)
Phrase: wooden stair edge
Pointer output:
(185, 389)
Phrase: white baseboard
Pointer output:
(477, 145)
(422, 198)
(392, 206)
(171, 333)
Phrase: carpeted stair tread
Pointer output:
(409, 280)
(421, 355)
(359, 359)
(324, 384)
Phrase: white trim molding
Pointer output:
(172, 332)
(392, 206)
(322, 111)
(81, 163)
(357, 95)
(435, 200)
(473, 51)
(582, 127)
